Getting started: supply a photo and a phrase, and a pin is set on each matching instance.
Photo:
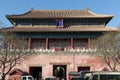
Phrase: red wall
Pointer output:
(47, 61)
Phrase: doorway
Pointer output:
(59, 71)
(36, 72)
(86, 68)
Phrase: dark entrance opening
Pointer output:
(86, 68)
(59, 71)
(36, 72)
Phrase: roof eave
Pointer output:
(16, 17)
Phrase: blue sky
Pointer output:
(97, 6)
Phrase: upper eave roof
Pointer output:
(59, 14)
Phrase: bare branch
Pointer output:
(10, 57)
(107, 45)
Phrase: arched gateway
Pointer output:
(59, 71)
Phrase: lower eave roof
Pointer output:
(54, 29)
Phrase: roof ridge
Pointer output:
(57, 10)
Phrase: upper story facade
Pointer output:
(69, 29)
(59, 18)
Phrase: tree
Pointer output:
(10, 57)
(108, 46)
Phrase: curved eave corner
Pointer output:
(101, 15)
(10, 17)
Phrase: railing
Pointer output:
(65, 51)
(54, 51)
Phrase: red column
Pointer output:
(29, 43)
(47, 43)
(71, 43)
(88, 43)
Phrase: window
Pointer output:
(84, 68)
(59, 23)
(38, 44)
(109, 77)
(29, 78)
(23, 78)
(95, 77)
